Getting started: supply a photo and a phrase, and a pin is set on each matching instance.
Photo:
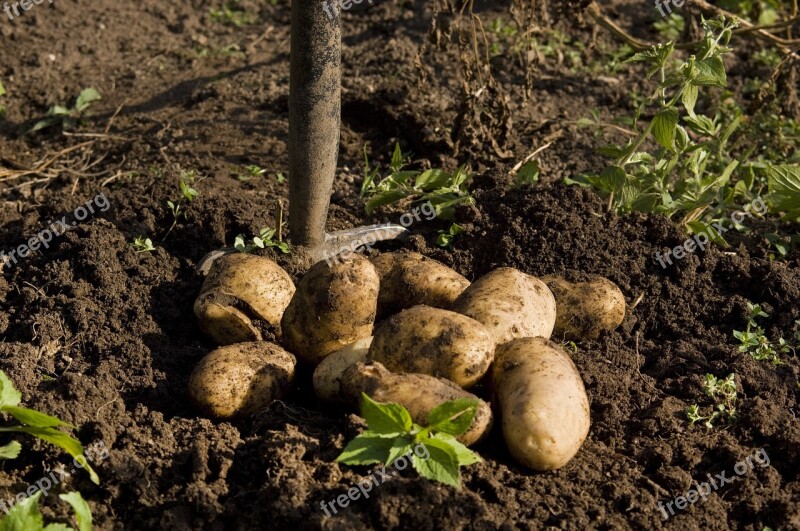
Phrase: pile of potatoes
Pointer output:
(403, 328)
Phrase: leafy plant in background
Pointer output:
(36, 424)
(2, 93)
(445, 191)
(68, 117)
(264, 240)
(232, 15)
(251, 171)
(392, 434)
(724, 394)
(704, 166)
(188, 194)
(755, 342)
(445, 238)
(25, 515)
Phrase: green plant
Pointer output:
(69, 118)
(2, 93)
(443, 190)
(36, 424)
(232, 15)
(264, 240)
(188, 194)
(143, 244)
(754, 341)
(445, 238)
(250, 172)
(392, 434)
(280, 177)
(528, 173)
(724, 394)
(25, 515)
(670, 27)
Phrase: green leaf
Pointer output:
(63, 440)
(2, 89)
(368, 448)
(664, 125)
(453, 417)
(57, 527)
(441, 466)
(34, 418)
(397, 158)
(613, 178)
(11, 450)
(9, 396)
(385, 198)
(400, 447)
(700, 227)
(430, 180)
(83, 512)
(385, 418)
(689, 98)
(783, 181)
(86, 98)
(528, 173)
(465, 456)
(710, 71)
(24, 516)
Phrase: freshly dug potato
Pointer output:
(418, 393)
(238, 380)
(433, 341)
(542, 402)
(334, 306)
(243, 297)
(408, 279)
(585, 309)
(328, 374)
(510, 304)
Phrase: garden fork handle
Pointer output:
(315, 107)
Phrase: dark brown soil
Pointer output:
(105, 338)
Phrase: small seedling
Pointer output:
(2, 93)
(528, 173)
(264, 240)
(188, 194)
(391, 434)
(281, 178)
(754, 341)
(233, 15)
(445, 191)
(69, 118)
(724, 394)
(445, 238)
(25, 515)
(250, 172)
(143, 244)
(38, 425)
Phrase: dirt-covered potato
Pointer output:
(510, 304)
(328, 374)
(585, 309)
(433, 341)
(334, 306)
(418, 393)
(409, 279)
(243, 299)
(238, 380)
(543, 405)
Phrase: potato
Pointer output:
(585, 309)
(542, 402)
(334, 306)
(408, 279)
(238, 380)
(418, 393)
(510, 304)
(436, 342)
(242, 298)
(328, 374)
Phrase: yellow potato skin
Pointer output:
(586, 309)
(433, 341)
(242, 295)
(542, 402)
(334, 306)
(510, 304)
(409, 279)
(239, 380)
(418, 393)
(329, 373)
